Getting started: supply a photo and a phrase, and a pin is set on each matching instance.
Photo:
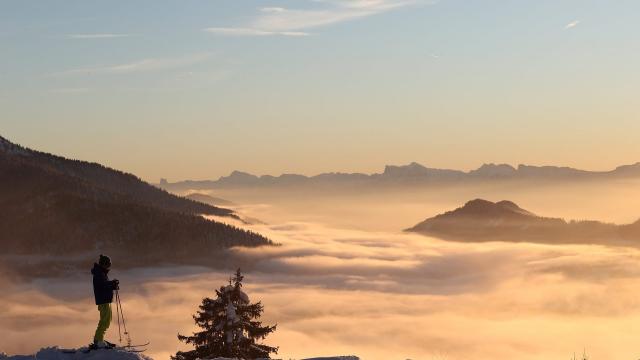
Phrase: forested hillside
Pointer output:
(55, 206)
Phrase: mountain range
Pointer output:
(413, 173)
(482, 220)
(71, 210)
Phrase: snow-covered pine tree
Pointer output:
(230, 327)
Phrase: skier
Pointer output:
(103, 291)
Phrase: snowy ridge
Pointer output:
(335, 358)
(54, 353)
(315, 358)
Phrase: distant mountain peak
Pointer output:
(239, 178)
(479, 215)
(508, 204)
(632, 169)
(413, 167)
(496, 166)
(416, 170)
(481, 220)
(237, 173)
(479, 203)
(414, 164)
(486, 208)
(493, 170)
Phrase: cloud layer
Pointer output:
(335, 288)
(380, 295)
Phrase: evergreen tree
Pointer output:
(230, 327)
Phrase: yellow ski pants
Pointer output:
(103, 324)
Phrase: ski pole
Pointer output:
(124, 324)
(118, 315)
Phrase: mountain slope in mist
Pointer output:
(74, 209)
(208, 199)
(413, 174)
(482, 220)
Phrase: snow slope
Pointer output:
(54, 353)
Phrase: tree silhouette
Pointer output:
(230, 327)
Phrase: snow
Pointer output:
(54, 353)
(244, 296)
(351, 357)
(231, 313)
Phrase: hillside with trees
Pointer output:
(75, 209)
(481, 220)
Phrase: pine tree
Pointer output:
(230, 327)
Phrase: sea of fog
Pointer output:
(345, 281)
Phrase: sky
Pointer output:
(198, 88)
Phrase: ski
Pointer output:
(131, 350)
(134, 346)
(88, 350)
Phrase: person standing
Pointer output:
(103, 289)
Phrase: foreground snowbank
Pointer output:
(54, 353)
(335, 358)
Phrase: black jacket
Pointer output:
(102, 286)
